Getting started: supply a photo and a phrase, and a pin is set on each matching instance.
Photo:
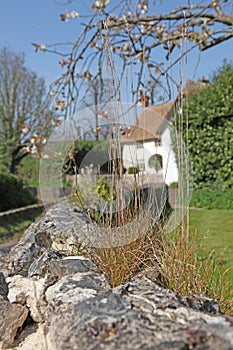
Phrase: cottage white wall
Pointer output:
(129, 155)
(169, 161)
(150, 150)
(132, 156)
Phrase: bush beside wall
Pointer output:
(212, 198)
(12, 193)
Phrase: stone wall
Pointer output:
(52, 192)
(51, 300)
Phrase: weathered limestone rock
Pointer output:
(3, 264)
(12, 316)
(39, 266)
(3, 287)
(71, 290)
(59, 230)
(33, 243)
(71, 226)
(138, 315)
(28, 292)
(33, 340)
(75, 280)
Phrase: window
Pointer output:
(139, 145)
(156, 162)
(158, 142)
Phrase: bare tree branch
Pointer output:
(127, 36)
(216, 41)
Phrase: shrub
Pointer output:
(212, 198)
(104, 190)
(209, 135)
(133, 170)
(173, 185)
(81, 149)
(12, 193)
(28, 170)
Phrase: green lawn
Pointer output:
(215, 230)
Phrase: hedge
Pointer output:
(12, 193)
(212, 198)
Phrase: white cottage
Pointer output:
(148, 144)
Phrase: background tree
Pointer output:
(210, 131)
(121, 40)
(95, 94)
(25, 118)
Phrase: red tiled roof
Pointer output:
(150, 124)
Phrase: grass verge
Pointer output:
(14, 228)
(214, 230)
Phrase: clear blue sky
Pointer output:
(26, 21)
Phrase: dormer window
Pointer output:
(158, 142)
(139, 145)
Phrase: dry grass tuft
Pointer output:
(176, 257)
(185, 272)
(123, 262)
